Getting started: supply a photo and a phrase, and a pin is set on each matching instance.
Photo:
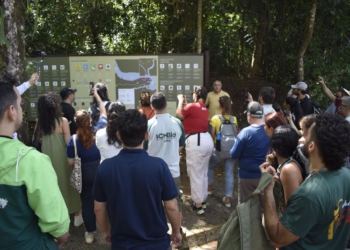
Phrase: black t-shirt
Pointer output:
(306, 106)
(68, 112)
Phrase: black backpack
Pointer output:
(95, 112)
(316, 107)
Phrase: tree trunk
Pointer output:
(13, 54)
(199, 27)
(259, 42)
(14, 19)
(310, 23)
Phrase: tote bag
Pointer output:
(75, 178)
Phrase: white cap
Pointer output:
(299, 85)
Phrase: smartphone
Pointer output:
(286, 112)
(246, 91)
(91, 84)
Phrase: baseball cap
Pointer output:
(346, 101)
(299, 85)
(346, 91)
(255, 110)
(67, 91)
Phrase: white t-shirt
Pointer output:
(268, 109)
(106, 150)
(166, 135)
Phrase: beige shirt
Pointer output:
(213, 102)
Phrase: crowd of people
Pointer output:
(130, 166)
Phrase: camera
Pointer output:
(91, 84)
(41, 54)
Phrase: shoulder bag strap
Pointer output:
(75, 145)
(264, 181)
(36, 132)
(150, 114)
(232, 118)
(222, 119)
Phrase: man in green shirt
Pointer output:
(318, 212)
(33, 214)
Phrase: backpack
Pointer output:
(244, 229)
(228, 135)
(316, 107)
(95, 112)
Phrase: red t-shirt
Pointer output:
(195, 118)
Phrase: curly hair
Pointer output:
(84, 131)
(145, 99)
(274, 119)
(115, 109)
(49, 112)
(331, 134)
(201, 93)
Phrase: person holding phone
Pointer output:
(23, 88)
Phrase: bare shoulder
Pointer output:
(290, 167)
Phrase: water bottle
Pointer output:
(218, 141)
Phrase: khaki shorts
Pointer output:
(179, 197)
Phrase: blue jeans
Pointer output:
(88, 171)
(229, 165)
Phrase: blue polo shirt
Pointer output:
(134, 185)
(250, 149)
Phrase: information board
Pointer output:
(125, 77)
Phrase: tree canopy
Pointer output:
(246, 38)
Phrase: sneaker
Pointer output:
(210, 192)
(89, 237)
(78, 220)
(183, 234)
(226, 204)
(204, 205)
(198, 210)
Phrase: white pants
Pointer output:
(197, 161)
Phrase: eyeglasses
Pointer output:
(344, 105)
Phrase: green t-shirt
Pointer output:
(319, 211)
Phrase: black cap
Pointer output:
(66, 91)
(255, 110)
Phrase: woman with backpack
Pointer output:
(291, 169)
(216, 122)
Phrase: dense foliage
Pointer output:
(238, 34)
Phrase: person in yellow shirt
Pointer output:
(215, 122)
(212, 100)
